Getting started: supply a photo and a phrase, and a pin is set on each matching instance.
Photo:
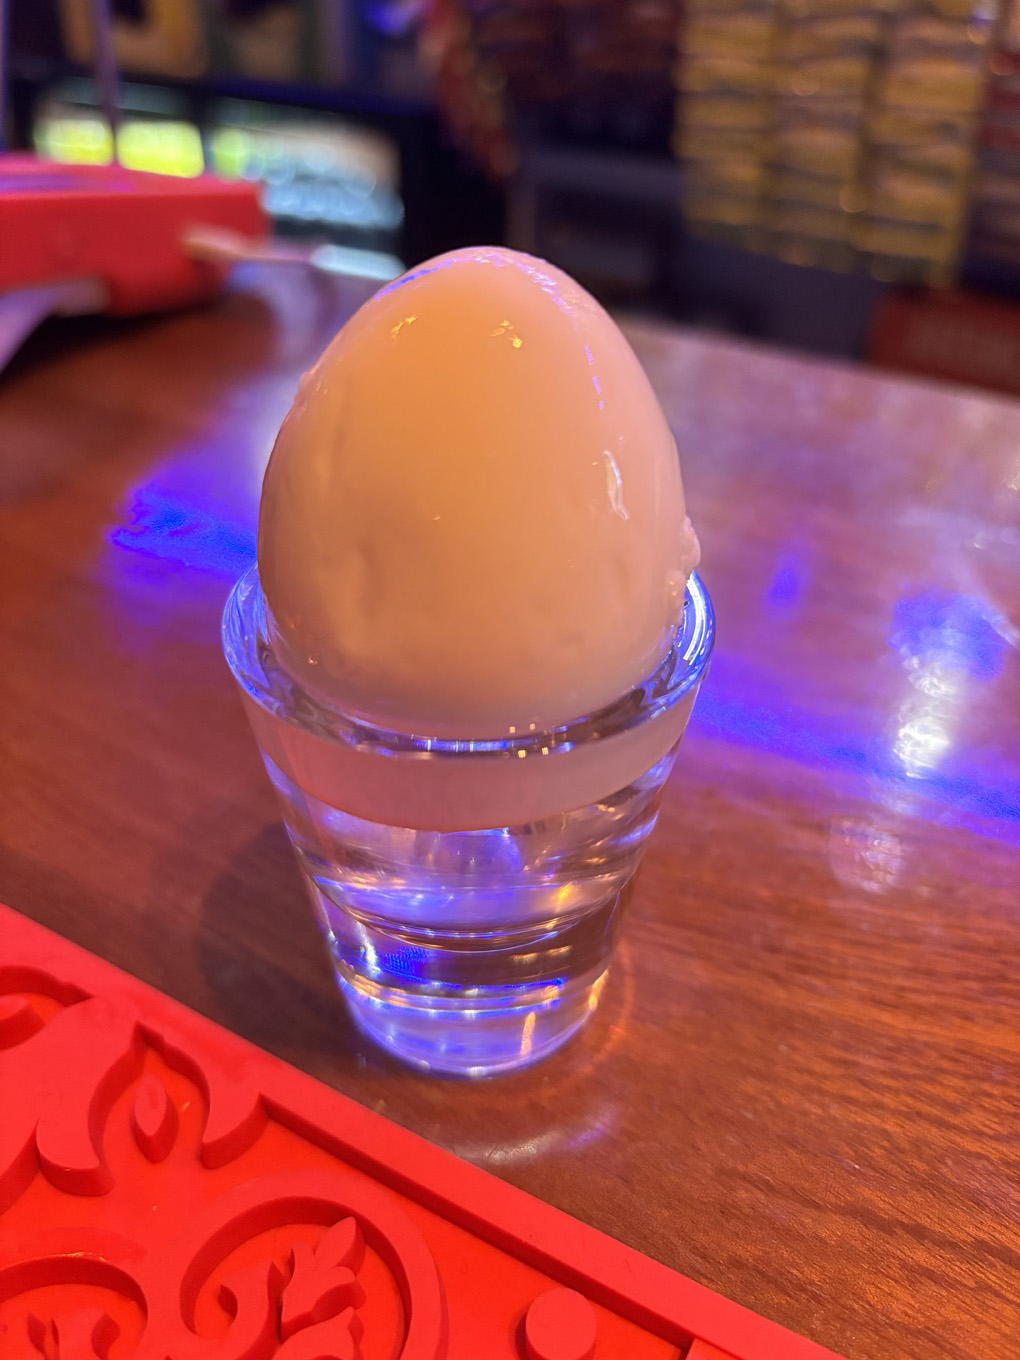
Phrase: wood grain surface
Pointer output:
(803, 1085)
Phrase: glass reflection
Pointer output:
(951, 646)
(944, 642)
(865, 854)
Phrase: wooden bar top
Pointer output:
(802, 1087)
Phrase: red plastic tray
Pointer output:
(169, 1192)
(121, 227)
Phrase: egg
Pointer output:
(473, 521)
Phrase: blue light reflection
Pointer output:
(197, 509)
(956, 632)
(950, 647)
(168, 525)
(723, 710)
(786, 589)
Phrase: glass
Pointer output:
(470, 892)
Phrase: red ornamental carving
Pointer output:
(154, 1119)
(70, 1058)
(168, 1192)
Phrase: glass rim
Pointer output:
(261, 675)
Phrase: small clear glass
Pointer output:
(470, 892)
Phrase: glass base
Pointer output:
(478, 1034)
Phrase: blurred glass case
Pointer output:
(321, 176)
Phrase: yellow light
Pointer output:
(231, 149)
(528, 1034)
(75, 141)
(163, 148)
(596, 991)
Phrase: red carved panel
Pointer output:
(169, 1192)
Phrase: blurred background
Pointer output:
(837, 176)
